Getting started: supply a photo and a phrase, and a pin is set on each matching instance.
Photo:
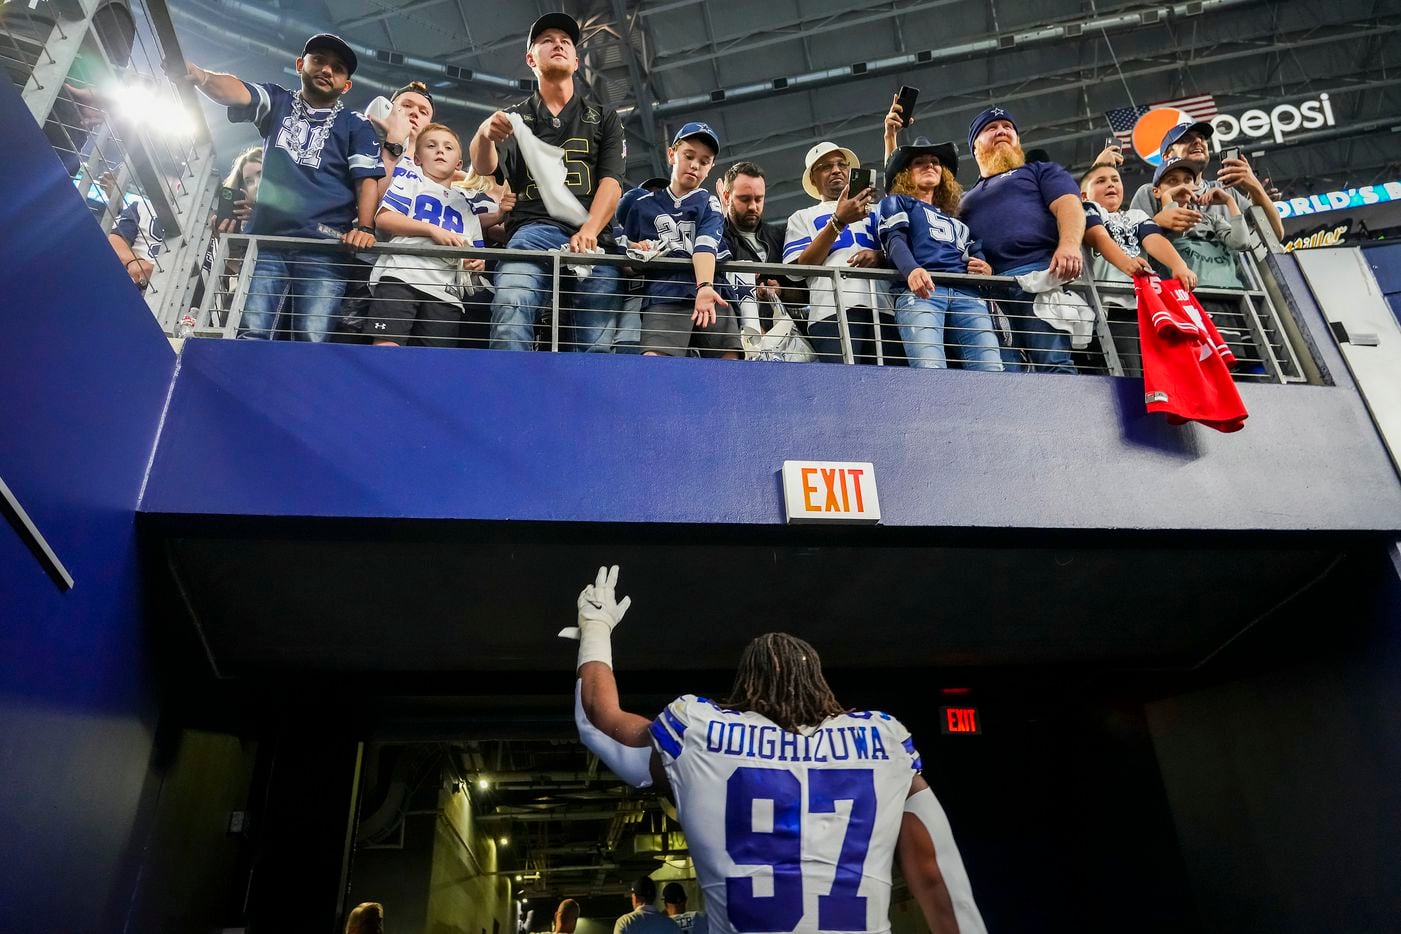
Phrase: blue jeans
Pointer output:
(922, 324)
(301, 287)
(523, 292)
(1036, 346)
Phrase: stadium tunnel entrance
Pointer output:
(351, 706)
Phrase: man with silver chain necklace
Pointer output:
(321, 163)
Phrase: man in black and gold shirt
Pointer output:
(561, 114)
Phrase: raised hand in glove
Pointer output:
(599, 612)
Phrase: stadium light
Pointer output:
(140, 104)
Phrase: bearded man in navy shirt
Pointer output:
(1027, 217)
(321, 163)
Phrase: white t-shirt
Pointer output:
(421, 198)
(803, 227)
(789, 832)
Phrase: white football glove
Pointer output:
(599, 612)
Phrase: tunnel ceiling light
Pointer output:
(483, 784)
(504, 841)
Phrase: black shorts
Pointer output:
(403, 314)
(667, 328)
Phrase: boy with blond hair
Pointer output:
(418, 299)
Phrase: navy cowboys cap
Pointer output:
(561, 21)
(324, 41)
(1181, 130)
(990, 115)
(701, 130)
(1172, 163)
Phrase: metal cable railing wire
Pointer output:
(1113, 351)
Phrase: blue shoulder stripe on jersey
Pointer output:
(918, 763)
(665, 740)
(899, 218)
(675, 723)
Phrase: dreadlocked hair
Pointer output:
(780, 676)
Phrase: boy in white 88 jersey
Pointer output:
(419, 298)
(794, 807)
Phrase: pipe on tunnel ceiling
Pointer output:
(1115, 22)
(567, 815)
(510, 778)
(554, 870)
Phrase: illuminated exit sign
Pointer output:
(830, 491)
(960, 720)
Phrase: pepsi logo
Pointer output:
(1150, 129)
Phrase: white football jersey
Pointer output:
(806, 224)
(419, 197)
(788, 832)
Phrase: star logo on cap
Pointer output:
(998, 112)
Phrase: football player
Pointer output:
(793, 805)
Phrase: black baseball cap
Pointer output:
(326, 41)
(561, 21)
(644, 888)
(421, 90)
(674, 893)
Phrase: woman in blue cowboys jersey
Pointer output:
(794, 807)
(921, 234)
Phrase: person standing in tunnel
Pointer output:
(762, 780)
(644, 917)
(674, 903)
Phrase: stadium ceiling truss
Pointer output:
(775, 77)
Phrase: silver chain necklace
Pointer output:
(302, 111)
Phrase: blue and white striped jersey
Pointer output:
(803, 226)
(694, 223)
(789, 832)
(419, 197)
(937, 242)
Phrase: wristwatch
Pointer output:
(704, 285)
(394, 149)
(836, 225)
(364, 228)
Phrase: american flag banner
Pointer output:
(1122, 120)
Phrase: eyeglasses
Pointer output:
(829, 166)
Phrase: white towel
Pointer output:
(1059, 307)
(546, 164)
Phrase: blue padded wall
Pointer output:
(297, 430)
(84, 374)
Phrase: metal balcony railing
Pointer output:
(1250, 319)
